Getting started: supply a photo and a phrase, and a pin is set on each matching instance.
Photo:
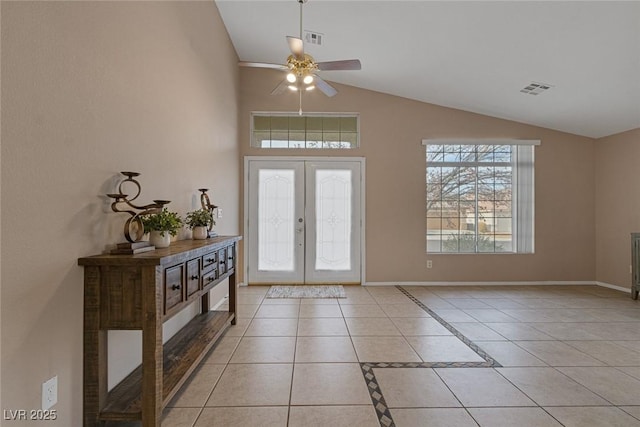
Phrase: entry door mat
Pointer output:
(321, 291)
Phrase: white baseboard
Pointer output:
(616, 287)
(219, 303)
(510, 283)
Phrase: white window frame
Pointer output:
(523, 189)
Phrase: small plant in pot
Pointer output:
(199, 221)
(161, 226)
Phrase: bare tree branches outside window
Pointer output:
(469, 198)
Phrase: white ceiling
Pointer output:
(474, 56)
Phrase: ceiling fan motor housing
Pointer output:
(302, 67)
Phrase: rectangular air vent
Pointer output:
(535, 88)
(313, 37)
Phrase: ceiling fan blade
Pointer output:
(262, 65)
(281, 88)
(325, 87)
(347, 64)
(296, 46)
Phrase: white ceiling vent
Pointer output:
(312, 37)
(535, 88)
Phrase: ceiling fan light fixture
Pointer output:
(301, 68)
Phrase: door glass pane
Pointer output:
(276, 221)
(333, 219)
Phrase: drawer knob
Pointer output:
(175, 287)
(195, 277)
(210, 260)
(210, 279)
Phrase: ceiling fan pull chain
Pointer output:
(300, 110)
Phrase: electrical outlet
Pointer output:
(49, 393)
(219, 212)
(429, 263)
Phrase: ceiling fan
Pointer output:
(302, 69)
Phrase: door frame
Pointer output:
(245, 207)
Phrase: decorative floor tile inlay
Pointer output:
(299, 291)
(490, 362)
(377, 397)
(384, 415)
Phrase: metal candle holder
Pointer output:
(133, 228)
(207, 205)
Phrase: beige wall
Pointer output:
(392, 129)
(90, 89)
(93, 88)
(617, 192)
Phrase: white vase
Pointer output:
(158, 240)
(200, 233)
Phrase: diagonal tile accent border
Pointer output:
(473, 346)
(377, 398)
(382, 410)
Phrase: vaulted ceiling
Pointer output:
(475, 56)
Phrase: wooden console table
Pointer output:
(140, 292)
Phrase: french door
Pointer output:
(304, 221)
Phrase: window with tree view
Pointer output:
(479, 198)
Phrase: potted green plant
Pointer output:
(199, 221)
(161, 226)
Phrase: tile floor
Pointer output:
(545, 356)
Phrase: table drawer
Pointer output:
(230, 258)
(222, 261)
(209, 278)
(193, 277)
(209, 260)
(173, 287)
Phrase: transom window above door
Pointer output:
(310, 130)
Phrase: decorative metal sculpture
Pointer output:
(133, 228)
(208, 206)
